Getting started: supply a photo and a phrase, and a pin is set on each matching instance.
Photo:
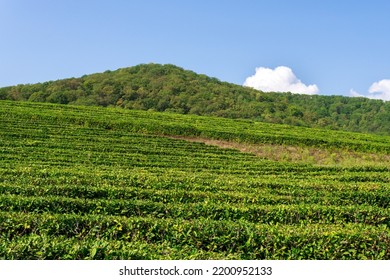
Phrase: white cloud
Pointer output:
(378, 90)
(354, 93)
(280, 79)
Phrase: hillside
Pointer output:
(107, 183)
(168, 88)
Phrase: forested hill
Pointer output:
(173, 89)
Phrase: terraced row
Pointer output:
(36, 236)
(271, 213)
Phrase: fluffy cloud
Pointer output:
(280, 79)
(354, 93)
(378, 90)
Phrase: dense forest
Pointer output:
(172, 89)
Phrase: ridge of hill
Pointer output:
(168, 88)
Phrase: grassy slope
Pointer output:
(86, 182)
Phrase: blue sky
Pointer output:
(337, 46)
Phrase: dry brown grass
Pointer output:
(297, 154)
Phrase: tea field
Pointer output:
(104, 183)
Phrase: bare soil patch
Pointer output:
(297, 154)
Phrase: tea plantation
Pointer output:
(103, 183)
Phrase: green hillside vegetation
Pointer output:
(82, 182)
(168, 88)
